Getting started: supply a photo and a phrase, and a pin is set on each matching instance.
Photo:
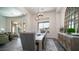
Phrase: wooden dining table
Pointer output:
(40, 39)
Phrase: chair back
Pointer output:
(28, 41)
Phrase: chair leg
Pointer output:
(37, 44)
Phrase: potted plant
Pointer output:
(70, 30)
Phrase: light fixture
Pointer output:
(15, 23)
(39, 14)
(2, 29)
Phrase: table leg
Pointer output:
(40, 45)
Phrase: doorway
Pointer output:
(15, 27)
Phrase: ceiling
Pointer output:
(35, 10)
(19, 11)
(10, 11)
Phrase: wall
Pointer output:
(20, 19)
(5, 22)
(52, 21)
(14, 19)
(2, 22)
(56, 20)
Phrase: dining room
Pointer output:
(31, 28)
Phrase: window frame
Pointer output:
(43, 22)
(71, 15)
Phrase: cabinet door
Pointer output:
(64, 42)
(68, 44)
(60, 38)
(75, 45)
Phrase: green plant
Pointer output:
(71, 30)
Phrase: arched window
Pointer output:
(72, 18)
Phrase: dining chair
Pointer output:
(28, 41)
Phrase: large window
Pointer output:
(72, 18)
(43, 26)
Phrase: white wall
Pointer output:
(2, 22)
(19, 19)
(56, 22)
(52, 21)
(15, 19)
(5, 22)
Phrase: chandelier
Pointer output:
(40, 15)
